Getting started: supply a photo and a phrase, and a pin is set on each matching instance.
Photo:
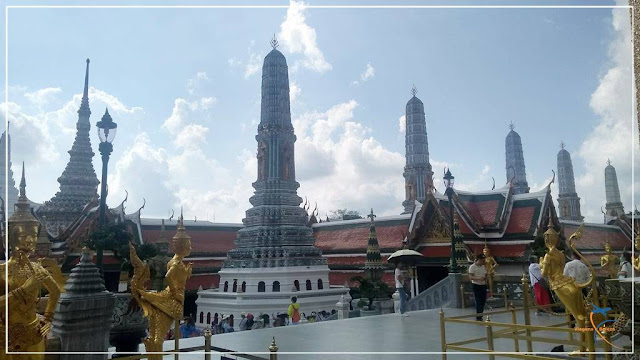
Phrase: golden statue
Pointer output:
(566, 288)
(27, 329)
(166, 306)
(608, 262)
(490, 264)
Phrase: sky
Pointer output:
(183, 85)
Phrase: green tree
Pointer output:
(344, 214)
(372, 289)
(111, 237)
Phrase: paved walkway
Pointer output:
(420, 332)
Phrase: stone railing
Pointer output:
(438, 295)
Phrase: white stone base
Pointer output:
(269, 302)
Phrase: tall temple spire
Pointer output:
(418, 176)
(614, 204)
(514, 157)
(276, 232)
(78, 182)
(568, 200)
(373, 262)
(84, 104)
(6, 173)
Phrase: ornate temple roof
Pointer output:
(507, 223)
(78, 182)
(349, 236)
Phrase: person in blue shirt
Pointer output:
(188, 329)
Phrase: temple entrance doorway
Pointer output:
(430, 275)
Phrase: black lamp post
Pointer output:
(448, 183)
(106, 133)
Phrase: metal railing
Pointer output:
(208, 349)
(503, 294)
(525, 332)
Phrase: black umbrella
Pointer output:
(405, 256)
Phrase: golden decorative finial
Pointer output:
(274, 42)
(608, 162)
(414, 90)
(273, 347)
(561, 144)
(511, 126)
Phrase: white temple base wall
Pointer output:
(269, 302)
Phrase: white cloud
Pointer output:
(43, 96)
(233, 62)
(207, 102)
(294, 90)
(191, 136)
(340, 165)
(298, 37)
(402, 124)
(180, 108)
(193, 84)
(254, 62)
(615, 135)
(368, 73)
(41, 136)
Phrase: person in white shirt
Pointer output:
(577, 270)
(626, 271)
(400, 276)
(535, 275)
(478, 277)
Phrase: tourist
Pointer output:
(478, 277)
(266, 322)
(243, 322)
(400, 277)
(578, 271)
(226, 326)
(250, 321)
(540, 285)
(294, 311)
(626, 271)
(188, 329)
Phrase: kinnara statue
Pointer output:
(163, 307)
(27, 329)
(490, 264)
(608, 261)
(566, 288)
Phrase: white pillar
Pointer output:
(343, 308)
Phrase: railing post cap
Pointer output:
(273, 347)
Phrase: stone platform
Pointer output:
(384, 335)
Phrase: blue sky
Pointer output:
(184, 84)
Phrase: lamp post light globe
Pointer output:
(106, 133)
(448, 183)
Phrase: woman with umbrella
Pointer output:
(401, 258)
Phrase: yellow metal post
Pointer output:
(443, 337)
(176, 337)
(462, 295)
(607, 348)
(514, 319)
(569, 325)
(591, 346)
(273, 349)
(207, 344)
(527, 314)
(489, 337)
